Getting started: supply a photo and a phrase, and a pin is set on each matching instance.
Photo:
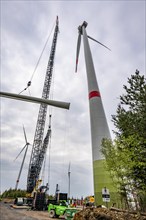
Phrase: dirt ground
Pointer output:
(108, 214)
(9, 213)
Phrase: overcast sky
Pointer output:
(25, 26)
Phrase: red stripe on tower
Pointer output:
(94, 94)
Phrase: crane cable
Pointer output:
(44, 162)
(49, 162)
(49, 144)
(65, 147)
(29, 82)
(51, 113)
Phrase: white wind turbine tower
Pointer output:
(26, 148)
(99, 126)
(69, 172)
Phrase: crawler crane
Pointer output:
(39, 146)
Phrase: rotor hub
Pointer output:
(83, 25)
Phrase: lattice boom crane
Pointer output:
(37, 155)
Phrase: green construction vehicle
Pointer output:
(58, 206)
(62, 209)
(56, 210)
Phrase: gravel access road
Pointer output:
(9, 213)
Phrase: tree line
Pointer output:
(126, 155)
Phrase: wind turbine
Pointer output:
(69, 172)
(99, 126)
(26, 148)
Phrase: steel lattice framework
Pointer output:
(38, 152)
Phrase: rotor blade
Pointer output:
(78, 50)
(59, 104)
(99, 42)
(25, 135)
(20, 151)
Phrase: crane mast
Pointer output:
(37, 154)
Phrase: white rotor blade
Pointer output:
(99, 42)
(25, 135)
(21, 151)
(78, 50)
(59, 104)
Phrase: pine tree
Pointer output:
(126, 155)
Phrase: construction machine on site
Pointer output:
(36, 194)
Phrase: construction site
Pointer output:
(104, 203)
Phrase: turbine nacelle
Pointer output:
(80, 27)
